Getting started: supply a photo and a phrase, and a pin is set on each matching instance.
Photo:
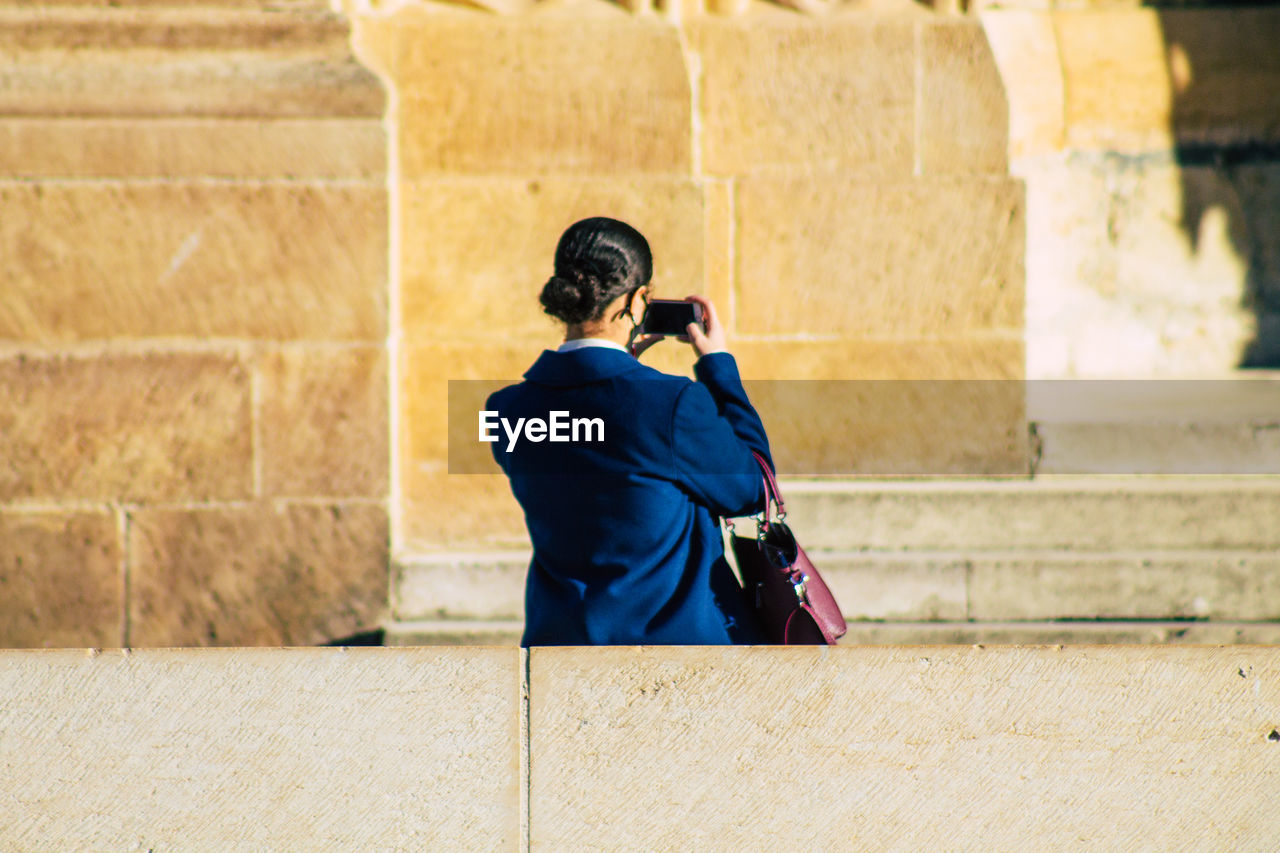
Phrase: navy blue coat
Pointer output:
(626, 542)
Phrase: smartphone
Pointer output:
(669, 317)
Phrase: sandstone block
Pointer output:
(841, 256)
(487, 95)
(1082, 514)
(324, 423)
(903, 738)
(60, 582)
(260, 575)
(265, 749)
(200, 260)
(961, 358)
(193, 148)
(476, 252)
(1116, 78)
(1025, 49)
(788, 92)
(964, 114)
(185, 62)
(462, 509)
(125, 427)
(1232, 586)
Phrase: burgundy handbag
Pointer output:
(793, 603)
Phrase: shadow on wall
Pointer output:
(1225, 76)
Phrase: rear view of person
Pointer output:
(622, 496)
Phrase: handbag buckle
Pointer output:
(801, 588)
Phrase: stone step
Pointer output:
(1083, 632)
(1086, 514)
(1212, 427)
(926, 586)
(196, 61)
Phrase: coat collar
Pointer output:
(580, 366)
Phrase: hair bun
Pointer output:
(570, 300)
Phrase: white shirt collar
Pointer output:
(582, 343)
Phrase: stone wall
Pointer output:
(915, 748)
(193, 325)
(836, 183)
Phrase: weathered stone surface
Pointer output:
(902, 739)
(1116, 77)
(846, 257)
(60, 582)
(1139, 267)
(269, 749)
(324, 423)
(1239, 586)
(153, 62)
(259, 575)
(100, 261)
(193, 148)
(1025, 49)
(796, 92)
(482, 585)
(125, 427)
(947, 358)
(894, 428)
(1084, 514)
(487, 95)
(476, 253)
(964, 114)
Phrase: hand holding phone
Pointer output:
(670, 317)
(691, 320)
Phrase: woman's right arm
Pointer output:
(715, 428)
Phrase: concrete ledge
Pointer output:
(918, 748)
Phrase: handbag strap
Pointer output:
(771, 492)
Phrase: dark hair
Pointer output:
(597, 260)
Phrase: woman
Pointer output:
(623, 520)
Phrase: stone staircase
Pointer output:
(1050, 558)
